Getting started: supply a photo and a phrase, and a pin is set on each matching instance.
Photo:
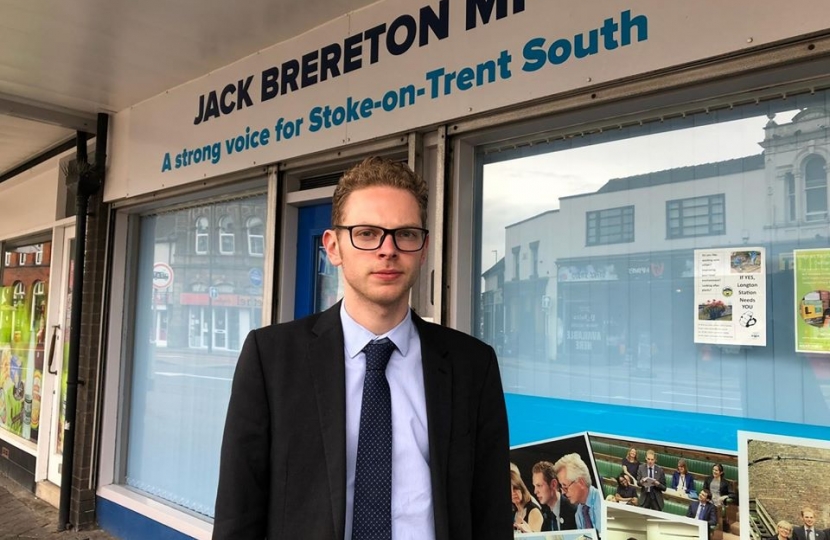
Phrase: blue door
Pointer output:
(318, 281)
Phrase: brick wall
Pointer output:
(786, 477)
(82, 511)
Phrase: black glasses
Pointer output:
(370, 238)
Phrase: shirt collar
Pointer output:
(356, 337)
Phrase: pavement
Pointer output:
(24, 516)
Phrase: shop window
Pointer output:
(202, 236)
(256, 236)
(226, 235)
(184, 352)
(534, 259)
(516, 262)
(39, 254)
(789, 183)
(22, 334)
(610, 226)
(621, 319)
(696, 216)
(198, 331)
(815, 189)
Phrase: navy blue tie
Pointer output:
(373, 471)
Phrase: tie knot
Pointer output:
(378, 354)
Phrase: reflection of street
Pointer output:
(196, 365)
(627, 383)
(182, 417)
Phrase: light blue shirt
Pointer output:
(412, 514)
(592, 502)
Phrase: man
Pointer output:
(652, 479)
(703, 509)
(559, 514)
(575, 482)
(808, 531)
(365, 422)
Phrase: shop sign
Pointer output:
(220, 300)
(587, 272)
(338, 83)
(255, 277)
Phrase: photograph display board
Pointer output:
(785, 485)
(616, 471)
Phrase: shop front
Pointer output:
(593, 168)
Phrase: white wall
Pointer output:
(28, 202)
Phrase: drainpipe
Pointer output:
(86, 180)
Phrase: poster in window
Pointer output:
(730, 296)
(812, 299)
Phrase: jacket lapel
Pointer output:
(328, 367)
(438, 390)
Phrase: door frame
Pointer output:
(62, 235)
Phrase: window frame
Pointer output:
(597, 215)
(711, 200)
(226, 232)
(18, 293)
(815, 193)
(202, 233)
(254, 239)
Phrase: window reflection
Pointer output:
(594, 297)
(195, 306)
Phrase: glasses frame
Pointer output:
(386, 232)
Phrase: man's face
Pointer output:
(703, 497)
(650, 460)
(809, 518)
(576, 492)
(383, 277)
(545, 492)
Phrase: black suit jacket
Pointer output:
(567, 516)
(283, 462)
(800, 533)
(710, 513)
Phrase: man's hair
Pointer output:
(807, 509)
(574, 467)
(545, 468)
(376, 171)
(708, 493)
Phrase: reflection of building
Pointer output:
(615, 267)
(207, 287)
(492, 311)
